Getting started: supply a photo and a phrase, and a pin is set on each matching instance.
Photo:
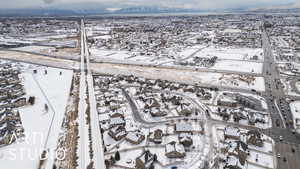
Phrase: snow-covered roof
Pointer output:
(184, 127)
(295, 109)
(116, 121)
(174, 147)
(232, 131)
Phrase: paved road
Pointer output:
(77, 59)
(82, 148)
(279, 109)
(72, 57)
(292, 158)
(97, 141)
(136, 114)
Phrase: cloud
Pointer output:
(199, 4)
(48, 1)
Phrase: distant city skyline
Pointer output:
(195, 4)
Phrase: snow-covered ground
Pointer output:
(181, 76)
(39, 133)
(39, 60)
(239, 66)
(229, 59)
(34, 48)
(295, 109)
(222, 53)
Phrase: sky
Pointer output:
(199, 4)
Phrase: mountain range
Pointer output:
(98, 9)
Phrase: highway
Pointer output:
(83, 132)
(280, 113)
(87, 99)
(29, 57)
(97, 141)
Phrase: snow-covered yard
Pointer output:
(42, 128)
(295, 109)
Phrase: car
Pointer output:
(293, 150)
(278, 155)
(284, 159)
(280, 138)
(277, 123)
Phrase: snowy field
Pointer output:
(39, 60)
(295, 109)
(239, 66)
(181, 76)
(232, 53)
(34, 48)
(41, 128)
(229, 59)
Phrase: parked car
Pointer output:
(278, 155)
(280, 138)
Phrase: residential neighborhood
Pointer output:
(150, 91)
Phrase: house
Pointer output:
(16, 92)
(156, 136)
(185, 139)
(204, 95)
(249, 101)
(3, 115)
(150, 103)
(231, 132)
(254, 137)
(135, 137)
(5, 137)
(7, 130)
(226, 101)
(145, 160)
(185, 110)
(19, 102)
(5, 104)
(114, 106)
(3, 95)
(156, 112)
(224, 113)
(117, 132)
(174, 150)
(117, 114)
(232, 163)
(189, 89)
(183, 128)
(254, 117)
(239, 150)
(116, 119)
(238, 115)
